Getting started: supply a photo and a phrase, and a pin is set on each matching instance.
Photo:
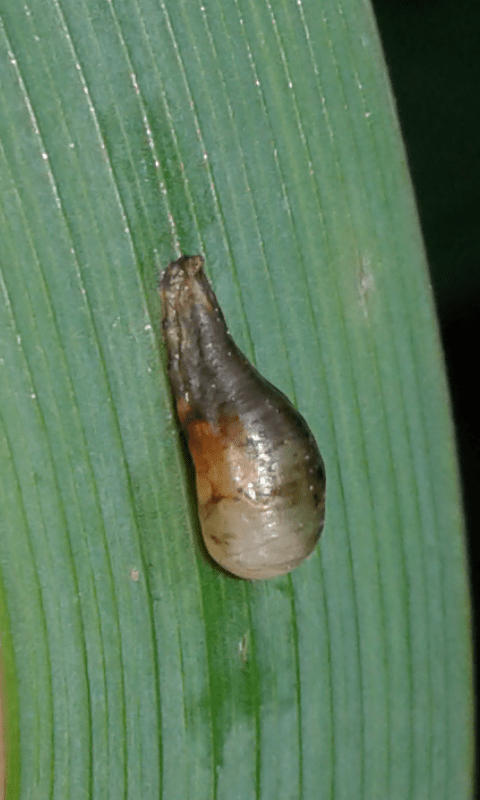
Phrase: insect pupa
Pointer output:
(260, 478)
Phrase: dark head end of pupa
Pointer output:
(180, 270)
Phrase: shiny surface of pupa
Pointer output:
(260, 478)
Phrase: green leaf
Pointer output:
(263, 135)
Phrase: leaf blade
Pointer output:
(263, 135)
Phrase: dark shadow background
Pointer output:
(433, 51)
